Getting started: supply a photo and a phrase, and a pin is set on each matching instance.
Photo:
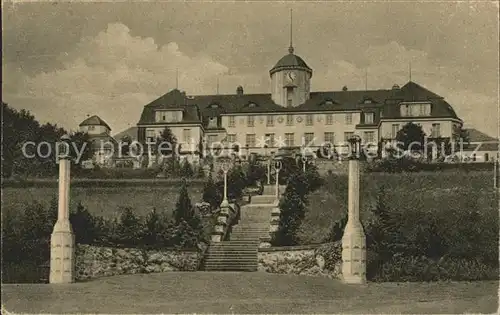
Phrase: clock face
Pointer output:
(291, 76)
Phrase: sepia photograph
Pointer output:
(250, 157)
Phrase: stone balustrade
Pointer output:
(227, 217)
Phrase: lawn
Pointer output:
(102, 201)
(245, 293)
(435, 191)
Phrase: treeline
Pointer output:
(20, 128)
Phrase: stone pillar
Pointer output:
(62, 241)
(221, 226)
(354, 240)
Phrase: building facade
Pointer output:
(102, 144)
(292, 116)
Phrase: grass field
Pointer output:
(436, 191)
(248, 293)
(102, 201)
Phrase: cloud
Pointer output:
(389, 64)
(113, 75)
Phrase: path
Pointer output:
(239, 253)
(247, 292)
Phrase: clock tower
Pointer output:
(290, 79)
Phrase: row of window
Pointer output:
(414, 110)
(289, 140)
(309, 121)
(435, 130)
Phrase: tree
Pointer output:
(411, 137)
(186, 169)
(211, 194)
(292, 206)
(183, 208)
(128, 229)
(153, 230)
(125, 142)
(84, 225)
(169, 143)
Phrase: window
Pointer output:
(330, 137)
(250, 121)
(404, 110)
(289, 96)
(309, 120)
(348, 135)
(308, 138)
(289, 120)
(250, 140)
(436, 130)
(91, 127)
(394, 131)
(486, 157)
(211, 139)
(163, 117)
(289, 139)
(270, 139)
(232, 121)
(369, 137)
(329, 119)
(231, 138)
(369, 118)
(348, 119)
(186, 135)
(150, 135)
(270, 121)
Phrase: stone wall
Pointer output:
(315, 260)
(94, 262)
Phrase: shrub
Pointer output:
(211, 193)
(186, 170)
(256, 173)
(128, 229)
(292, 213)
(84, 225)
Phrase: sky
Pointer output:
(64, 61)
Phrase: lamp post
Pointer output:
(225, 169)
(247, 150)
(62, 240)
(277, 166)
(354, 240)
(271, 158)
(304, 160)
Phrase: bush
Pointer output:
(186, 170)
(84, 225)
(211, 193)
(292, 213)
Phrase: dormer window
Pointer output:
(213, 106)
(369, 118)
(368, 101)
(329, 102)
(252, 105)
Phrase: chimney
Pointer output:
(239, 90)
(344, 88)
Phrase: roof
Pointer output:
(130, 132)
(197, 108)
(94, 121)
(478, 136)
(290, 61)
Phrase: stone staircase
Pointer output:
(239, 253)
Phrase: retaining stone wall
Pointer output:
(315, 260)
(94, 262)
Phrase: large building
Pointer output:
(292, 114)
(101, 143)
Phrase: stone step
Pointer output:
(263, 199)
(271, 189)
(234, 261)
(231, 268)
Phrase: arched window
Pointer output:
(474, 157)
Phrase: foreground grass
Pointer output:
(227, 292)
(102, 201)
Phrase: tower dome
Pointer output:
(289, 62)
